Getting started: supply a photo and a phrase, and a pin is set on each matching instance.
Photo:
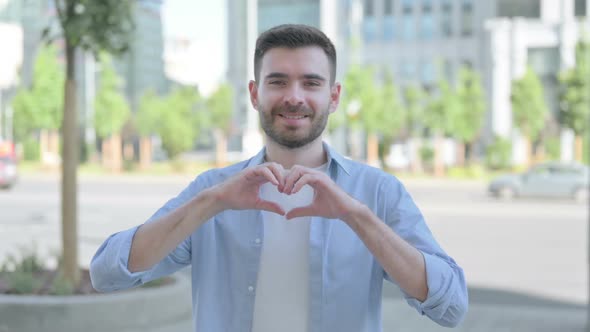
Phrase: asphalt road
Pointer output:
(537, 248)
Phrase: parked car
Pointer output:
(8, 172)
(550, 179)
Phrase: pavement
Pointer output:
(490, 310)
(535, 285)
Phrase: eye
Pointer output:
(277, 82)
(312, 83)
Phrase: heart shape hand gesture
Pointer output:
(242, 191)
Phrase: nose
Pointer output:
(293, 96)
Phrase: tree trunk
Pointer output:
(579, 148)
(220, 148)
(44, 147)
(117, 153)
(69, 200)
(527, 152)
(461, 154)
(373, 150)
(145, 152)
(416, 162)
(105, 153)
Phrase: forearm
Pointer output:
(402, 262)
(155, 240)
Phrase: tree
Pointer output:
(529, 110)
(466, 126)
(182, 121)
(94, 26)
(111, 113)
(382, 117)
(220, 110)
(40, 107)
(413, 97)
(443, 109)
(574, 96)
(147, 120)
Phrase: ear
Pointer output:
(334, 96)
(253, 88)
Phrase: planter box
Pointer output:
(162, 308)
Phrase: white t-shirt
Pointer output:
(282, 291)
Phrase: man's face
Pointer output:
(294, 96)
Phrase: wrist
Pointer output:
(208, 201)
(355, 215)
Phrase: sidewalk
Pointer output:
(489, 311)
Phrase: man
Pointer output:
(297, 238)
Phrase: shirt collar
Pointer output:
(331, 154)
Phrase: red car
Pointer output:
(8, 173)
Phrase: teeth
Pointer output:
(293, 117)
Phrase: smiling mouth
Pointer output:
(293, 117)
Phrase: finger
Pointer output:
(278, 171)
(293, 177)
(271, 206)
(305, 179)
(303, 211)
(265, 173)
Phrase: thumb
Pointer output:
(272, 207)
(303, 211)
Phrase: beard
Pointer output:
(293, 137)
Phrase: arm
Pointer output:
(404, 263)
(402, 243)
(162, 245)
(154, 241)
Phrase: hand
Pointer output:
(329, 200)
(241, 192)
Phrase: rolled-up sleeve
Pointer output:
(108, 268)
(447, 299)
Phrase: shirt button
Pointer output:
(257, 241)
(250, 288)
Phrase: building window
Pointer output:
(427, 26)
(388, 7)
(408, 20)
(426, 6)
(388, 28)
(369, 8)
(521, 8)
(446, 19)
(467, 18)
(580, 9)
(408, 28)
(407, 7)
(369, 29)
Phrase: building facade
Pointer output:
(420, 41)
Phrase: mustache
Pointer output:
(301, 110)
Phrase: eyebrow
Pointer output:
(305, 76)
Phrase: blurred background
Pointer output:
(482, 108)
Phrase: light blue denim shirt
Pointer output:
(345, 279)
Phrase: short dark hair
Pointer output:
(293, 36)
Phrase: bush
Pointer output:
(470, 172)
(31, 149)
(498, 154)
(552, 148)
(427, 154)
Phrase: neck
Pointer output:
(311, 155)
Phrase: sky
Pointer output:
(204, 23)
